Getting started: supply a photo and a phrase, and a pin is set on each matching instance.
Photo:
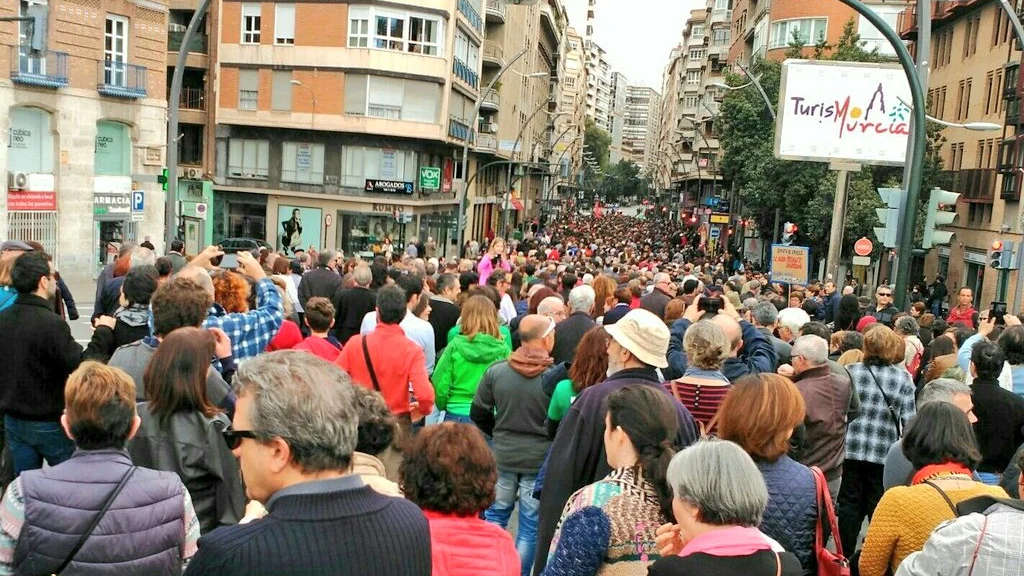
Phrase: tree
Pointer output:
(802, 191)
(597, 142)
(622, 180)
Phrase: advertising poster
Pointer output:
(299, 227)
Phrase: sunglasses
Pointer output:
(234, 437)
(886, 294)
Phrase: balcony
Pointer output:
(465, 73)
(906, 23)
(975, 185)
(493, 55)
(491, 102)
(1012, 87)
(467, 10)
(496, 11)
(121, 79)
(198, 45)
(44, 70)
(486, 143)
(1013, 117)
(721, 16)
(192, 99)
(458, 129)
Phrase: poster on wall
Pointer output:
(299, 228)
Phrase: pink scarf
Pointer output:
(733, 541)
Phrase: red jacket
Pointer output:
(469, 546)
(397, 361)
(966, 317)
(319, 347)
(286, 338)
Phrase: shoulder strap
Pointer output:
(369, 364)
(944, 497)
(977, 547)
(96, 520)
(889, 405)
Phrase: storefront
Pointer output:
(975, 265)
(239, 215)
(32, 192)
(195, 198)
(112, 191)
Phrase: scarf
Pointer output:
(944, 469)
(530, 362)
(731, 542)
(135, 315)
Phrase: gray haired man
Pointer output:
(898, 470)
(571, 330)
(294, 433)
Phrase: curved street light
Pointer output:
(973, 126)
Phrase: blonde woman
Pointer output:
(703, 386)
(492, 260)
(478, 344)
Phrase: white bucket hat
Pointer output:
(644, 335)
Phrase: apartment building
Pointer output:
(641, 126)
(342, 124)
(517, 136)
(617, 121)
(599, 87)
(85, 122)
(666, 163)
(975, 78)
(765, 28)
(570, 124)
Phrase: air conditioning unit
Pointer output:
(36, 182)
(193, 173)
(489, 128)
(176, 27)
(17, 180)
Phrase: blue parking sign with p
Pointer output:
(138, 200)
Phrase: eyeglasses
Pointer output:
(551, 327)
(883, 294)
(234, 437)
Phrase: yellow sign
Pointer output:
(790, 264)
(719, 218)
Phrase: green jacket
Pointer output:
(460, 368)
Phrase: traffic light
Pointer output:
(1001, 257)
(789, 231)
(939, 217)
(162, 179)
(889, 216)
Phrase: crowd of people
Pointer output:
(642, 406)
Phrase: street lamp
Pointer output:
(312, 96)
(973, 126)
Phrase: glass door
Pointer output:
(115, 50)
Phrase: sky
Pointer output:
(637, 34)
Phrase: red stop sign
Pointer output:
(863, 247)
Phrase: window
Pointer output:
(988, 92)
(998, 86)
(284, 24)
(696, 54)
(570, 82)
(395, 30)
(248, 158)
(690, 102)
(466, 51)
(359, 163)
(697, 32)
(720, 37)
(250, 23)
(808, 31)
(693, 77)
(392, 98)
(281, 90)
(248, 89)
(940, 109)
(115, 50)
(971, 36)
(302, 163)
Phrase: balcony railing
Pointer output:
(906, 22)
(496, 10)
(486, 142)
(471, 14)
(46, 69)
(121, 79)
(199, 43)
(975, 184)
(465, 73)
(193, 99)
(493, 53)
(458, 129)
(492, 100)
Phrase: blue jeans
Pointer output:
(510, 486)
(449, 417)
(937, 308)
(30, 442)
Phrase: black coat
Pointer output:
(443, 316)
(763, 563)
(105, 341)
(568, 334)
(350, 306)
(39, 353)
(320, 282)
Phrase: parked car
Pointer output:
(237, 244)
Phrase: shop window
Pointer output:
(30, 140)
(359, 163)
(112, 151)
(302, 163)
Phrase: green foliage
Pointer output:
(622, 180)
(597, 142)
(803, 191)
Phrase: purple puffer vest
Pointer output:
(143, 532)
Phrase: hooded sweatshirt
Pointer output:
(460, 368)
(511, 405)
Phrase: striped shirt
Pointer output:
(702, 400)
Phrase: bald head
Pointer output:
(535, 331)
(732, 330)
(198, 275)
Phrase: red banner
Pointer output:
(447, 175)
(24, 201)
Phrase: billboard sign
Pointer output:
(843, 112)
